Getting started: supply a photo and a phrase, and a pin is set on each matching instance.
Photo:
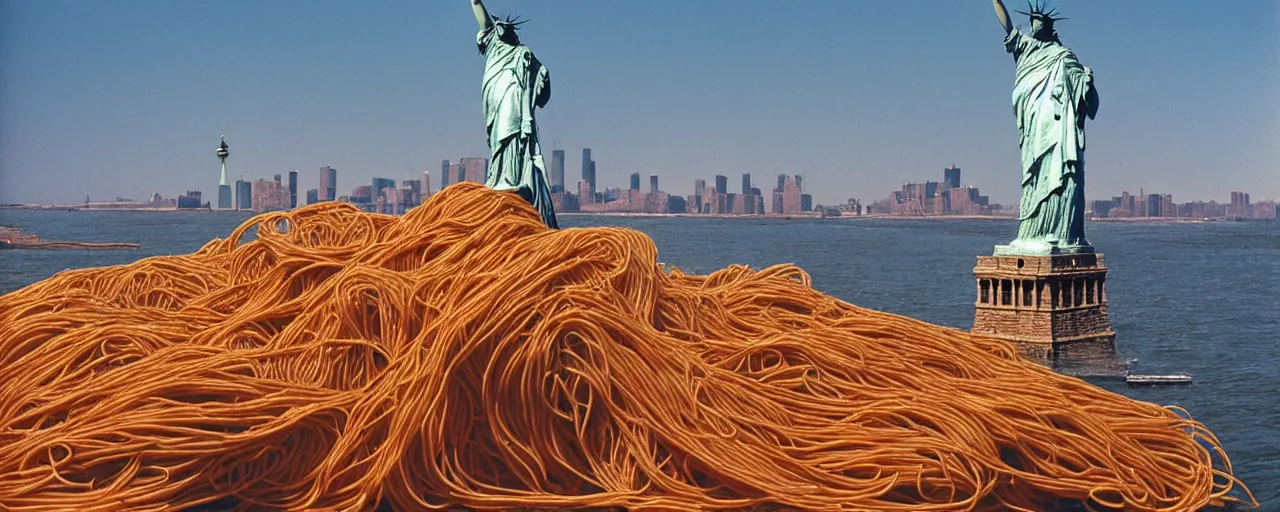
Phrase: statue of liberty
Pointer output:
(515, 83)
(1052, 95)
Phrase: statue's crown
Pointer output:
(510, 21)
(1037, 11)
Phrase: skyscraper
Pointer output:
(589, 170)
(224, 187)
(293, 189)
(557, 170)
(379, 186)
(224, 195)
(951, 176)
(791, 195)
(444, 174)
(244, 195)
(776, 201)
(699, 187)
(746, 183)
(653, 183)
(635, 181)
(457, 173)
(1155, 205)
(328, 184)
(593, 177)
(722, 184)
(268, 195)
(410, 193)
(475, 169)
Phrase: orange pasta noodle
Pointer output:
(463, 355)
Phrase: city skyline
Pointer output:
(557, 177)
(952, 196)
(900, 202)
(97, 98)
(952, 178)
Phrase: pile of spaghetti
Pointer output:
(463, 355)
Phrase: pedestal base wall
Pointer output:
(1052, 305)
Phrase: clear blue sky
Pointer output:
(126, 97)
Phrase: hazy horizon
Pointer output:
(128, 98)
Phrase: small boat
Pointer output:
(1150, 380)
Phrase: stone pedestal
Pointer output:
(1052, 306)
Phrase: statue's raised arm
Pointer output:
(482, 14)
(1002, 14)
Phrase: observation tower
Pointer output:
(224, 187)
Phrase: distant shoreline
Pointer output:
(72, 207)
(767, 216)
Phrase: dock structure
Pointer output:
(1052, 306)
(14, 238)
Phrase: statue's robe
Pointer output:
(515, 83)
(1052, 94)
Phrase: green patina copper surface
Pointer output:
(515, 84)
(1053, 94)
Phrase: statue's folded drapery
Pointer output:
(515, 83)
(1052, 94)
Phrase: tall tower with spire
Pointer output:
(224, 187)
